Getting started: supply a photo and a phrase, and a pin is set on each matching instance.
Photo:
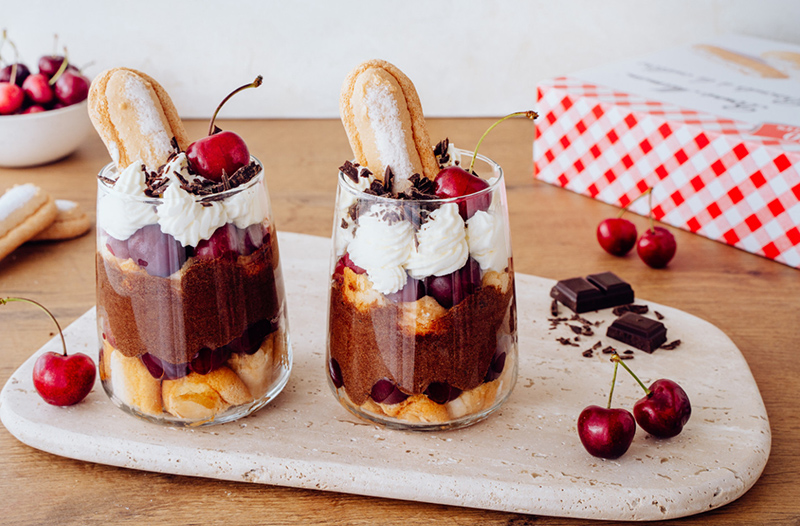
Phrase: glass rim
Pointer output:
(346, 183)
(198, 198)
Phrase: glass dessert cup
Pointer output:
(422, 335)
(190, 334)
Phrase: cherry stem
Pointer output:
(256, 83)
(646, 192)
(616, 359)
(61, 69)
(530, 114)
(13, 78)
(650, 204)
(613, 383)
(3, 301)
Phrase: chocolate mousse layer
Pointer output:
(208, 304)
(456, 348)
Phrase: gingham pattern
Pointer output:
(709, 175)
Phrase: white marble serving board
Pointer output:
(525, 458)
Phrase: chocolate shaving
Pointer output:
(567, 341)
(106, 180)
(581, 319)
(554, 308)
(344, 224)
(440, 151)
(587, 353)
(597, 345)
(388, 180)
(576, 328)
(626, 357)
(350, 170)
(671, 345)
(622, 309)
(627, 352)
(609, 350)
(658, 315)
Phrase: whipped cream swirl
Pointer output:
(487, 241)
(442, 244)
(382, 248)
(118, 214)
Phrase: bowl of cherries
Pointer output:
(43, 113)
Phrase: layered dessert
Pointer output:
(422, 321)
(190, 300)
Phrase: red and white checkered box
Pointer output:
(714, 129)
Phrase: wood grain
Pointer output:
(754, 300)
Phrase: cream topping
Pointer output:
(118, 212)
(382, 248)
(442, 244)
(487, 242)
(181, 215)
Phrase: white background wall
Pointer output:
(467, 58)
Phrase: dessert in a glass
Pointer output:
(191, 312)
(422, 320)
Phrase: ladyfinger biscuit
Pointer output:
(745, 64)
(382, 116)
(203, 396)
(71, 221)
(131, 382)
(255, 370)
(135, 117)
(25, 210)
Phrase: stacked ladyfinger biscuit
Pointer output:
(27, 213)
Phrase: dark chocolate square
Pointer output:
(638, 331)
(595, 292)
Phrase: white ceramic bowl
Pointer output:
(39, 138)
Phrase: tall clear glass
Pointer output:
(191, 333)
(422, 317)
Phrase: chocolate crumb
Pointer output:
(577, 338)
(587, 331)
(388, 180)
(587, 353)
(597, 345)
(609, 350)
(344, 224)
(566, 341)
(350, 170)
(671, 345)
(626, 357)
(628, 352)
(576, 317)
(576, 328)
(554, 308)
(658, 315)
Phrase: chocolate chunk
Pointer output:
(671, 345)
(638, 309)
(595, 292)
(637, 331)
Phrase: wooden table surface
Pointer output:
(753, 300)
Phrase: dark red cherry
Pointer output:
(253, 336)
(454, 181)
(606, 433)
(335, 373)
(11, 98)
(71, 88)
(441, 393)
(451, 289)
(50, 64)
(385, 392)
(413, 290)
(616, 235)
(224, 152)
(22, 73)
(37, 89)
(656, 247)
(158, 253)
(665, 410)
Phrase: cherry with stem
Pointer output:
(606, 432)
(616, 235)
(665, 408)
(60, 379)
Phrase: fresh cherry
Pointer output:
(50, 64)
(60, 379)
(413, 290)
(11, 98)
(454, 181)
(37, 89)
(158, 253)
(221, 153)
(385, 392)
(33, 109)
(161, 369)
(335, 373)
(451, 289)
(252, 337)
(656, 247)
(346, 262)
(71, 88)
(22, 73)
(206, 360)
(605, 432)
(665, 408)
(441, 393)
(616, 235)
